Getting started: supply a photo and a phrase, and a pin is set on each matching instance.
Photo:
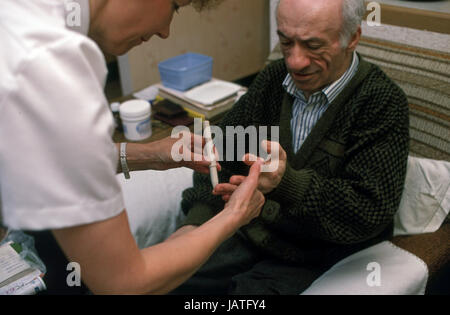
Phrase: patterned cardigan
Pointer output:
(342, 188)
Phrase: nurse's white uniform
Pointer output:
(57, 159)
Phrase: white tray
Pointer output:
(212, 92)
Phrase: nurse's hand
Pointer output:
(167, 153)
(246, 201)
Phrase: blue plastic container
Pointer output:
(185, 71)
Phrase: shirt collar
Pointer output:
(71, 7)
(332, 90)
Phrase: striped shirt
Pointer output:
(306, 113)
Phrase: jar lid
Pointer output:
(135, 109)
(115, 107)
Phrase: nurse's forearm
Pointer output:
(111, 263)
(158, 155)
(180, 257)
(139, 156)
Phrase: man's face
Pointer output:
(121, 25)
(309, 33)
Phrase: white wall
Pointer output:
(236, 35)
(273, 24)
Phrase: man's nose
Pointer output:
(298, 58)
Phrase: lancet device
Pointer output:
(209, 147)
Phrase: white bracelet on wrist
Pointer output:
(123, 160)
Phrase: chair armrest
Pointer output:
(434, 250)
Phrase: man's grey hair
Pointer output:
(353, 12)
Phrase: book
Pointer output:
(171, 113)
(17, 277)
(197, 109)
(194, 114)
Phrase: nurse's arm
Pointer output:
(112, 263)
(165, 154)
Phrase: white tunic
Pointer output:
(57, 158)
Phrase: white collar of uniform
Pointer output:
(73, 7)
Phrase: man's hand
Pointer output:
(271, 178)
(268, 180)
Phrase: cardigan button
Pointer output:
(269, 213)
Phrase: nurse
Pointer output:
(57, 160)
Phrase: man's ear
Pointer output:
(354, 40)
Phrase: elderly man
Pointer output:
(343, 151)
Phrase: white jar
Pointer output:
(135, 115)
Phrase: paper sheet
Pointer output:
(10, 262)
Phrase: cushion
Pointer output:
(425, 202)
(153, 203)
(382, 269)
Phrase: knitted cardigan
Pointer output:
(340, 191)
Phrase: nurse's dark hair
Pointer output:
(200, 5)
